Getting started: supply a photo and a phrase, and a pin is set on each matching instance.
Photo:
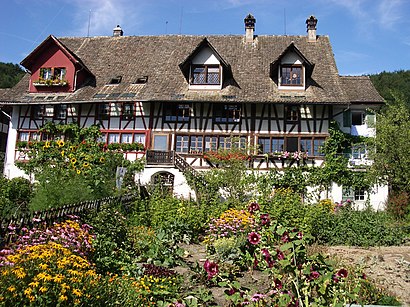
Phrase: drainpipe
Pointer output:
(75, 78)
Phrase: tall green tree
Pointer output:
(10, 74)
(391, 146)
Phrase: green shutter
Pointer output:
(347, 118)
(370, 118)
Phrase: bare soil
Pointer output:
(388, 267)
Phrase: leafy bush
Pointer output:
(346, 226)
(57, 191)
(286, 207)
(14, 195)
(112, 246)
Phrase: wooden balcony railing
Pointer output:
(157, 157)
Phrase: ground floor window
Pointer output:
(359, 194)
(311, 145)
(204, 143)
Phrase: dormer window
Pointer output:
(291, 75)
(205, 75)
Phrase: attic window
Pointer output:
(205, 75)
(51, 76)
(141, 80)
(291, 75)
(116, 80)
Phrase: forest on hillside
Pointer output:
(10, 74)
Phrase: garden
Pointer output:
(258, 246)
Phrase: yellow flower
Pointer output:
(86, 164)
(60, 143)
(62, 153)
(11, 288)
(58, 278)
(33, 284)
(43, 266)
(43, 289)
(31, 298)
(77, 292)
(73, 160)
(102, 159)
(19, 272)
(28, 291)
(47, 145)
(63, 298)
(78, 172)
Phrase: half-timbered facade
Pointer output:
(181, 96)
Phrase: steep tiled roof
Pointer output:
(158, 57)
(360, 89)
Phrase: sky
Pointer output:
(367, 36)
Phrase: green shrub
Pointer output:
(14, 195)
(286, 207)
(57, 191)
(112, 245)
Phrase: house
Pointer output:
(183, 95)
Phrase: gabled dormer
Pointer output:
(291, 70)
(204, 68)
(54, 68)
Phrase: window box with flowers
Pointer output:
(50, 82)
(51, 76)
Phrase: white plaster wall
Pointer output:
(10, 170)
(205, 56)
(181, 187)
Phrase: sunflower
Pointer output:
(73, 160)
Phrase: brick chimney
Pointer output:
(249, 28)
(311, 23)
(117, 31)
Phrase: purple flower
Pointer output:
(342, 273)
(285, 237)
(211, 268)
(278, 284)
(254, 238)
(265, 219)
(257, 297)
(253, 207)
(314, 275)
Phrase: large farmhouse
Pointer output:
(181, 96)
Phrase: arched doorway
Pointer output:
(164, 181)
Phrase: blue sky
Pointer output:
(368, 36)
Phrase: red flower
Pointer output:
(280, 255)
(342, 273)
(265, 219)
(314, 275)
(254, 238)
(211, 268)
(285, 237)
(253, 207)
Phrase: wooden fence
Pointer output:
(50, 216)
